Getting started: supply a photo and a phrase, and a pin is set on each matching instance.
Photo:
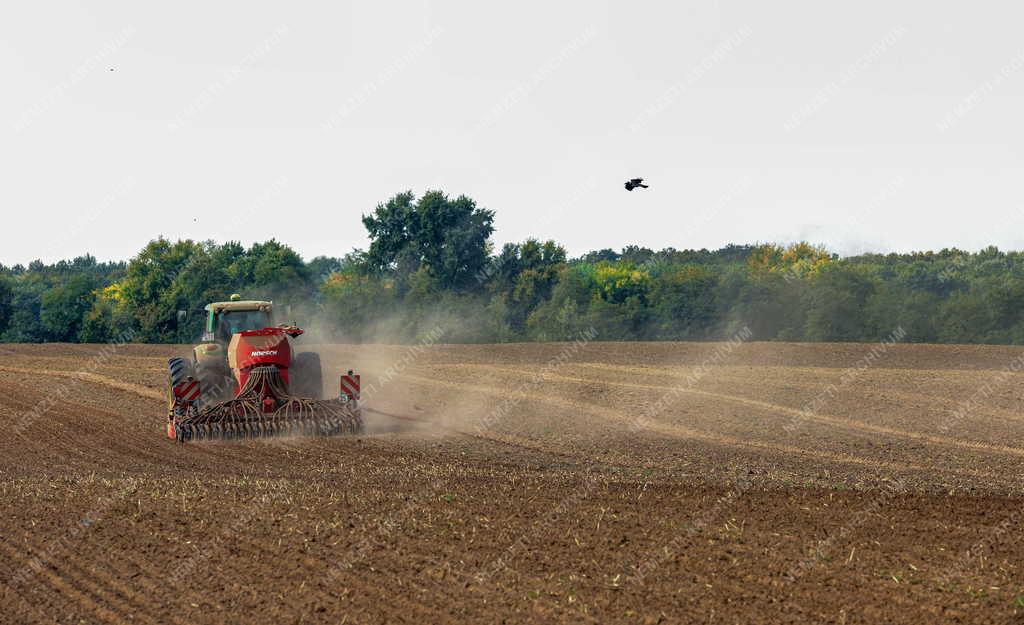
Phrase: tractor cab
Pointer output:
(225, 319)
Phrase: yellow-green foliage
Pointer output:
(113, 294)
(799, 260)
(345, 284)
(617, 282)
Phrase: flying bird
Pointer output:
(634, 183)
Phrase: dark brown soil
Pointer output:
(601, 482)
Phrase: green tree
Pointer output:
(321, 267)
(769, 303)
(6, 295)
(683, 302)
(894, 305)
(109, 318)
(447, 237)
(636, 255)
(835, 304)
(63, 307)
(391, 229)
(563, 315)
(272, 269)
(595, 257)
(147, 287)
(362, 306)
(525, 277)
(24, 325)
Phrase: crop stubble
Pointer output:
(490, 492)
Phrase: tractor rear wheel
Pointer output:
(306, 377)
(215, 384)
(178, 370)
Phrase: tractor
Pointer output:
(246, 379)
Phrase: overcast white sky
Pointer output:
(864, 126)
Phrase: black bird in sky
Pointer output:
(634, 183)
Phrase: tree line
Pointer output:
(431, 264)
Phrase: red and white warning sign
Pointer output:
(187, 390)
(350, 385)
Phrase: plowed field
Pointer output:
(600, 482)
